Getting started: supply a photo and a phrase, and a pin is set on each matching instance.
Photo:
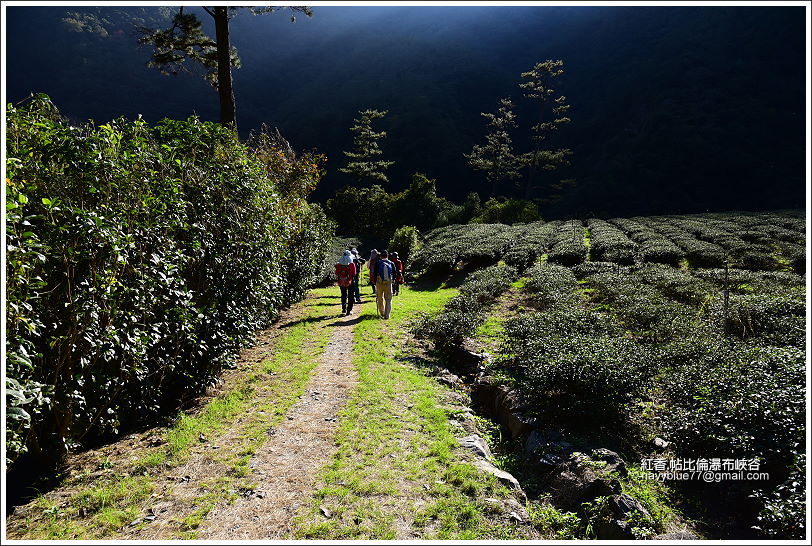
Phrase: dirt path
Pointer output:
(286, 465)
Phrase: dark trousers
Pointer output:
(346, 298)
(356, 288)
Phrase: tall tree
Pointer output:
(362, 164)
(496, 157)
(186, 40)
(552, 111)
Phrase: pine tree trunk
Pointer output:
(228, 115)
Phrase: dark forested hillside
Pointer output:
(674, 109)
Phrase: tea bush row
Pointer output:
(531, 244)
(472, 244)
(464, 312)
(139, 260)
(652, 245)
(567, 244)
(698, 253)
(610, 244)
(569, 361)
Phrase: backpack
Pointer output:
(385, 270)
(343, 275)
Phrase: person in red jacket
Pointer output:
(345, 271)
(399, 275)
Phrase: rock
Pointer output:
(449, 379)
(535, 442)
(678, 535)
(477, 445)
(503, 405)
(549, 461)
(661, 444)
(614, 530)
(326, 513)
(519, 425)
(467, 422)
(623, 505)
(458, 398)
(505, 478)
(518, 508)
(466, 357)
(574, 482)
(614, 462)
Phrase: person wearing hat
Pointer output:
(345, 271)
(356, 280)
(393, 257)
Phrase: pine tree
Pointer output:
(496, 157)
(185, 39)
(362, 164)
(538, 86)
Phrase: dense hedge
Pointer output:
(139, 260)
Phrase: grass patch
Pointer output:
(397, 458)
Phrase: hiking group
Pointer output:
(385, 276)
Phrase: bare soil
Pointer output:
(286, 465)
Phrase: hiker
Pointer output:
(383, 277)
(373, 259)
(345, 271)
(395, 259)
(356, 280)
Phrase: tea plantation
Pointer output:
(688, 329)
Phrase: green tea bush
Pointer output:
(774, 319)
(485, 285)
(575, 367)
(471, 244)
(140, 259)
(552, 285)
(676, 284)
(533, 242)
(466, 311)
(783, 513)
(609, 244)
(652, 246)
(567, 246)
(742, 401)
(640, 307)
(699, 253)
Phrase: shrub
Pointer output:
(568, 244)
(465, 311)
(140, 260)
(533, 242)
(676, 284)
(576, 372)
(552, 285)
(773, 319)
(748, 401)
(783, 511)
(405, 241)
(652, 246)
(609, 244)
(336, 249)
(509, 211)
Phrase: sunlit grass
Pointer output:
(395, 445)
